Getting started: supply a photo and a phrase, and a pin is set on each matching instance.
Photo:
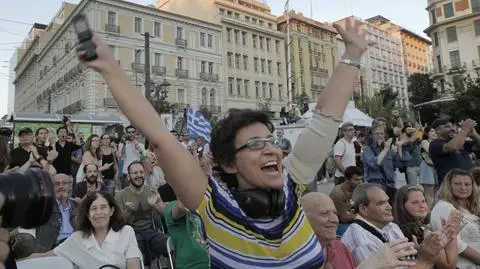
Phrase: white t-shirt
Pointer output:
(346, 150)
(86, 253)
(131, 154)
(469, 234)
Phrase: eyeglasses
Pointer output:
(260, 143)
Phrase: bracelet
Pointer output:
(351, 63)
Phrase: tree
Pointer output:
(381, 104)
(421, 89)
(467, 102)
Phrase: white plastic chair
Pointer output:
(45, 263)
(170, 250)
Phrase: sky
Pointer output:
(17, 17)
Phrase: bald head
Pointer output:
(316, 201)
(321, 214)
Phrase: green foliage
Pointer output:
(467, 102)
(421, 89)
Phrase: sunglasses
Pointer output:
(260, 143)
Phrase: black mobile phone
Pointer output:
(84, 35)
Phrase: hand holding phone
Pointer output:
(84, 35)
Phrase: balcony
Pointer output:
(112, 28)
(319, 70)
(109, 103)
(180, 42)
(73, 108)
(208, 77)
(456, 68)
(139, 68)
(211, 108)
(158, 70)
(317, 87)
(181, 73)
(476, 63)
(179, 106)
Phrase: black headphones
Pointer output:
(261, 203)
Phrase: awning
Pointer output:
(92, 119)
(436, 101)
(352, 114)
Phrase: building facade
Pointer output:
(184, 51)
(313, 53)
(253, 50)
(382, 64)
(455, 33)
(417, 56)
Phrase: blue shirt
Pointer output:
(66, 228)
(392, 161)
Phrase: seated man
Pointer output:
(139, 203)
(90, 184)
(62, 221)
(342, 197)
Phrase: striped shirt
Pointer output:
(237, 241)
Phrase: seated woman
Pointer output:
(102, 237)
(411, 213)
(459, 192)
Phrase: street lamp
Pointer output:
(162, 92)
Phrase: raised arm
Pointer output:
(189, 184)
(309, 152)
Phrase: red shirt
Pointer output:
(339, 257)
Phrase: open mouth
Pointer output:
(270, 167)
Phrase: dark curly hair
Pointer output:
(223, 138)
(83, 222)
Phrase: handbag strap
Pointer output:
(370, 229)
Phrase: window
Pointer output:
(157, 29)
(254, 21)
(244, 38)
(210, 68)
(247, 18)
(269, 66)
(237, 16)
(433, 16)
(277, 46)
(270, 25)
(181, 96)
(255, 64)
(477, 27)
(138, 56)
(270, 91)
(229, 13)
(279, 68)
(203, 66)
(245, 86)
(230, 59)
(261, 43)
(257, 89)
(475, 5)
(222, 11)
(262, 64)
(455, 59)
(264, 89)
(254, 41)
(435, 39)
(158, 59)
(179, 32)
(245, 62)
(439, 64)
(452, 34)
(268, 44)
(238, 64)
(448, 10)
(112, 18)
(280, 92)
(204, 96)
(212, 97)
(138, 25)
(229, 34)
(239, 86)
(458, 82)
(179, 62)
(230, 86)
(237, 36)
(202, 39)
(210, 41)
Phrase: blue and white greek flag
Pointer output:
(198, 125)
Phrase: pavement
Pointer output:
(328, 186)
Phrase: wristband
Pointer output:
(351, 63)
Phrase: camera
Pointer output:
(29, 198)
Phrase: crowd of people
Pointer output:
(243, 200)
